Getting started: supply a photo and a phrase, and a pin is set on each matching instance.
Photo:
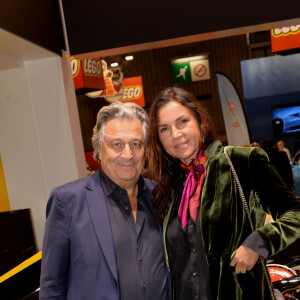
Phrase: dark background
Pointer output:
(94, 25)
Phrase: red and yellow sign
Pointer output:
(87, 73)
(133, 90)
(285, 38)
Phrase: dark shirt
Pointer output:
(187, 255)
(187, 258)
(139, 249)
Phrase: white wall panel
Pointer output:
(40, 138)
(51, 120)
(19, 148)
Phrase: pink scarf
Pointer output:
(192, 189)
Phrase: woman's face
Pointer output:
(178, 131)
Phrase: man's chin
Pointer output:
(128, 177)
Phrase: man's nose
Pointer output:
(127, 152)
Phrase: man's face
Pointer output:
(122, 151)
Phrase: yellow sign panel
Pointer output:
(4, 202)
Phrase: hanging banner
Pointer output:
(285, 38)
(133, 90)
(87, 74)
(92, 73)
(118, 88)
(233, 113)
(189, 69)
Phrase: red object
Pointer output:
(284, 41)
(133, 90)
(87, 73)
(91, 161)
(93, 74)
(77, 73)
(278, 272)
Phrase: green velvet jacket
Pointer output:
(224, 222)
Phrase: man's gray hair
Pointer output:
(117, 110)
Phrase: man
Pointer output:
(280, 161)
(281, 147)
(101, 238)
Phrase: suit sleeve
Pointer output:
(278, 200)
(55, 252)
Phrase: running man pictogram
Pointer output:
(182, 72)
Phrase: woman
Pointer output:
(211, 251)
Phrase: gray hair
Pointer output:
(117, 110)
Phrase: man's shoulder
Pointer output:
(79, 184)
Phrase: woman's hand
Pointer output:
(244, 259)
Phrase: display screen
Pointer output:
(286, 119)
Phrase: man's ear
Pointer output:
(99, 153)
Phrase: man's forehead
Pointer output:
(122, 121)
(124, 128)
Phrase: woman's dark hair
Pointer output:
(162, 167)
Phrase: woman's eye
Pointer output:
(163, 129)
(184, 121)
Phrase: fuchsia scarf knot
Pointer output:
(190, 199)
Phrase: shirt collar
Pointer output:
(109, 186)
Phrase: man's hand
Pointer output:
(244, 259)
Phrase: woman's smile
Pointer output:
(181, 145)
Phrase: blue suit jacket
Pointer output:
(78, 258)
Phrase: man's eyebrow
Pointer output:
(130, 140)
(136, 139)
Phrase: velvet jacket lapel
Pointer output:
(100, 218)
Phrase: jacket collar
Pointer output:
(98, 210)
(93, 181)
(213, 149)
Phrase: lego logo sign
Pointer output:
(77, 73)
(75, 66)
(133, 90)
(92, 73)
(87, 74)
(285, 38)
(92, 67)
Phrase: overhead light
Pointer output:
(129, 57)
(115, 64)
(189, 59)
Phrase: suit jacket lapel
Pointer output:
(96, 202)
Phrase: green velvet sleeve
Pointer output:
(275, 198)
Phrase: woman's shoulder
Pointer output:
(246, 151)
